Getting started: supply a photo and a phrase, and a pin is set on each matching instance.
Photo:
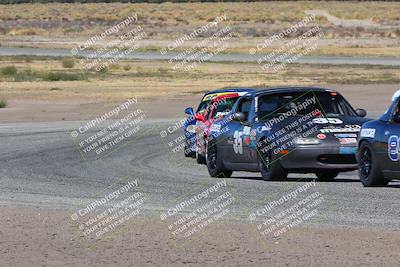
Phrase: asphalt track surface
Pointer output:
(247, 58)
(40, 166)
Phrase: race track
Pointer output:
(40, 166)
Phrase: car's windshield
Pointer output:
(301, 103)
(224, 107)
(202, 106)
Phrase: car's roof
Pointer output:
(233, 90)
(274, 90)
(396, 95)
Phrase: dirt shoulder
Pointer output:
(50, 238)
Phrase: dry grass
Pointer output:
(183, 13)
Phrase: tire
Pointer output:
(326, 175)
(368, 168)
(189, 154)
(200, 159)
(270, 167)
(214, 162)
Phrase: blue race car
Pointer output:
(379, 147)
(277, 131)
(190, 123)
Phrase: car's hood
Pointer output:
(340, 130)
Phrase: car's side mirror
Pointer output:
(396, 118)
(189, 111)
(361, 112)
(200, 117)
(239, 116)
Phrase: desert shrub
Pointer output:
(9, 70)
(25, 75)
(115, 67)
(68, 63)
(103, 70)
(59, 76)
(3, 103)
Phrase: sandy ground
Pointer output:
(49, 238)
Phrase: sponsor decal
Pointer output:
(212, 96)
(221, 114)
(246, 130)
(346, 135)
(368, 132)
(348, 141)
(247, 140)
(346, 129)
(253, 135)
(321, 136)
(347, 150)
(394, 148)
(327, 120)
(215, 127)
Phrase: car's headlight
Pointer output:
(191, 129)
(306, 141)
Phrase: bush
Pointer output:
(3, 103)
(103, 70)
(114, 67)
(68, 63)
(163, 71)
(127, 67)
(9, 70)
(25, 75)
(58, 76)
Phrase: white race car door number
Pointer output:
(238, 143)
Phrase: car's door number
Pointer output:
(238, 143)
(394, 148)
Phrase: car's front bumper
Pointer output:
(308, 158)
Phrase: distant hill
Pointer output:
(117, 1)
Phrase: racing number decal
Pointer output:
(394, 148)
(237, 143)
(327, 120)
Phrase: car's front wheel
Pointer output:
(188, 153)
(200, 159)
(214, 162)
(368, 169)
(270, 167)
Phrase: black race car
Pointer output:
(281, 130)
(379, 147)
